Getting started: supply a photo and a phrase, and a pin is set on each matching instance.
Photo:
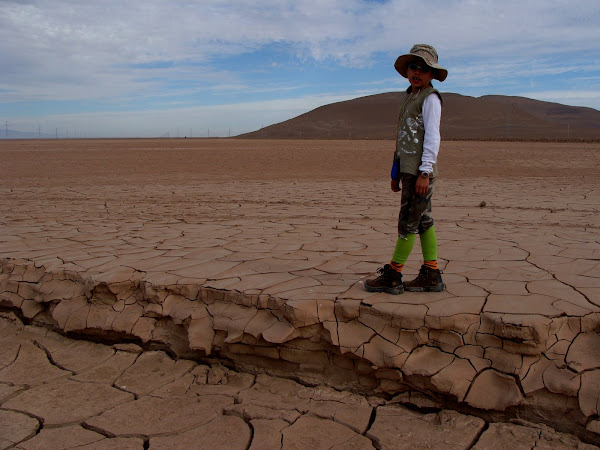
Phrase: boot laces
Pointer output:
(384, 272)
(422, 277)
(423, 274)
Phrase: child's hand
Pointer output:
(396, 185)
(422, 185)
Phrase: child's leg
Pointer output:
(429, 278)
(407, 222)
(403, 248)
(390, 280)
(429, 248)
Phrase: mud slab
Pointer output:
(255, 253)
(93, 396)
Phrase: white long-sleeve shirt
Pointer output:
(432, 115)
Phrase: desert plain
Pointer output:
(208, 293)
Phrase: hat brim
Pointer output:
(401, 65)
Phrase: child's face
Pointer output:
(419, 74)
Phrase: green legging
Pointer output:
(405, 245)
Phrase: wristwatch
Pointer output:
(425, 174)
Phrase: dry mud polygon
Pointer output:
(255, 253)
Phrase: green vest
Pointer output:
(411, 131)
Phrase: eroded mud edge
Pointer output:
(498, 367)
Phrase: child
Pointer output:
(415, 169)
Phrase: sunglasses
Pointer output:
(424, 69)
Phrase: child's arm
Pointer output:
(432, 114)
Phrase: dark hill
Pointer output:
(463, 117)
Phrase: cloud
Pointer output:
(72, 43)
(155, 53)
(221, 120)
(589, 98)
(564, 94)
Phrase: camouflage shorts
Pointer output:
(415, 210)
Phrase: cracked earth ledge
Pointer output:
(499, 367)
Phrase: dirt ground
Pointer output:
(302, 222)
(184, 161)
(210, 179)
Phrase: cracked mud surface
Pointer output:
(166, 245)
(90, 395)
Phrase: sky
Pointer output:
(153, 68)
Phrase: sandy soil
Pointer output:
(185, 161)
(210, 179)
(303, 222)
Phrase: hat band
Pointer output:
(428, 57)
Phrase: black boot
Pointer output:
(429, 280)
(388, 281)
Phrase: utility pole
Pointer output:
(6, 127)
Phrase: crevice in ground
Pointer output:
(98, 430)
(485, 427)
(119, 388)
(251, 427)
(372, 419)
(25, 413)
(50, 358)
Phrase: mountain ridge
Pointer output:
(463, 117)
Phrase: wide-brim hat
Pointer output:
(425, 52)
